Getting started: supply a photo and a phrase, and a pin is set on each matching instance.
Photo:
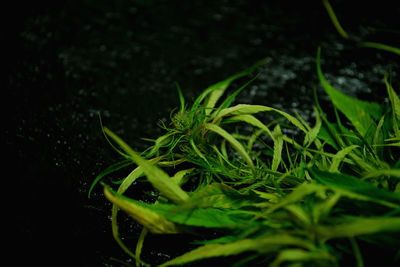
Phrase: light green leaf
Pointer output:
(240, 109)
(209, 218)
(228, 101)
(380, 46)
(244, 109)
(334, 19)
(296, 195)
(235, 143)
(221, 196)
(278, 145)
(323, 208)
(157, 177)
(313, 133)
(181, 98)
(132, 176)
(159, 142)
(195, 212)
(262, 245)
(151, 220)
(136, 173)
(139, 245)
(217, 90)
(179, 176)
(270, 197)
(300, 214)
(359, 226)
(161, 217)
(250, 119)
(378, 137)
(198, 152)
(385, 172)
(301, 255)
(339, 156)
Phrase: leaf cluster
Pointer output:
(312, 198)
(289, 202)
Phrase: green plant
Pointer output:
(324, 193)
(287, 201)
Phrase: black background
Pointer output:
(65, 61)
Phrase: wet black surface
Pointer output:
(67, 61)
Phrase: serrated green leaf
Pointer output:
(209, 217)
(151, 220)
(278, 145)
(218, 195)
(212, 207)
(355, 185)
(357, 111)
(196, 216)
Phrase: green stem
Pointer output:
(380, 46)
(334, 19)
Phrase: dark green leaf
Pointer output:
(357, 111)
(354, 184)
(113, 168)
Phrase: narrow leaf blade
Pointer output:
(151, 220)
(278, 145)
(353, 184)
(235, 143)
(158, 178)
